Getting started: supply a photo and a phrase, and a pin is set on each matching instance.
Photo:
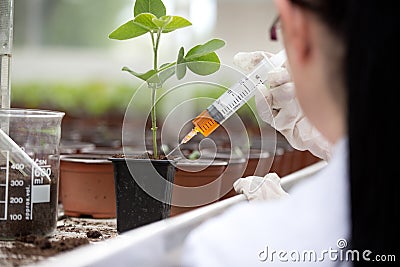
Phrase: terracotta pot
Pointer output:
(106, 151)
(75, 147)
(293, 160)
(70, 147)
(259, 163)
(143, 194)
(275, 146)
(196, 173)
(256, 163)
(87, 186)
(109, 152)
(233, 171)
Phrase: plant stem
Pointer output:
(156, 50)
(154, 121)
(153, 93)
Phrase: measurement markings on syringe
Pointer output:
(234, 97)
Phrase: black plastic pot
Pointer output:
(140, 196)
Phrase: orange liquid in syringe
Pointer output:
(205, 124)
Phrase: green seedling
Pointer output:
(194, 155)
(150, 17)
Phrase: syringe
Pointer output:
(235, 97)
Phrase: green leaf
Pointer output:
(164, 65)
(127, 30)
(167, 73)
(204, 49)
(155, 7)
(205, 65)
(144, 76)
(146, 21)
(162, 22)
(180, 64)
(153, 78)
(176, 23)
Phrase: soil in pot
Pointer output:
(87, 186)
(202, 175)
(143, 190)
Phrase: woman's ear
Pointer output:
(295, 26)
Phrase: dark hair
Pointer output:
(370, 31)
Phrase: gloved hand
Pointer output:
(278, 106)
(260, 188)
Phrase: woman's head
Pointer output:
(345, 54)
(314, 43)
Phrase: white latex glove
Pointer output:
(260, 188)
(279, 107)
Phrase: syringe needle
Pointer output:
(186, 139)
(189, 136)
(173, 150)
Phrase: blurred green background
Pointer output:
(63, 59)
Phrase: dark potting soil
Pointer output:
(43, 246)
(32, 249)
(70, 233)
(146, 155)
(93, 234)
(23, 218)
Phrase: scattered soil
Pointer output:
(146, 155)
(93, 234)
(118, 156)
(71, 233)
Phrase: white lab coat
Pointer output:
(310, 223)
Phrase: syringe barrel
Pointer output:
(229, 102)
(240, 93)
(237, 95)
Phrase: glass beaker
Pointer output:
(29, 171)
